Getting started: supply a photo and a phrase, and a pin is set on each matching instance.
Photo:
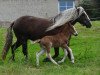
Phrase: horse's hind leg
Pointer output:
(14, 47)
(24, 46)
(38, 55)
(65, 55)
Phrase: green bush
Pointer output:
(92, 8)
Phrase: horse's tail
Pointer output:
(8, 43)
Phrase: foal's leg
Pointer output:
(69, 41)
(14, 47)
(65, 55)
(71, 54)
(38, 55)
(49, 56)
(56, 49)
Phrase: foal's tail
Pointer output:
(8, 43)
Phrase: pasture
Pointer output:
(86, 50)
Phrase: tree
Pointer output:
(92, 7)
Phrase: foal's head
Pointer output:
(72, 29)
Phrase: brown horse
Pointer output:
(33, 28)
(58, 40)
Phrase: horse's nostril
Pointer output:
(76, 34)
(88, 27)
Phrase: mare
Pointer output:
(58, 40)
(33, 28)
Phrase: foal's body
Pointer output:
(58, 40)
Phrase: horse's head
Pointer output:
(72, 15)
(83, 17)
(72, 29)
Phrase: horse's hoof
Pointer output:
(37, 65)
(72, 61)
(55, 56)
(58, 65)
(26, 59)
(11, 58)
(46, 60)
(59, 62)
(3, 57)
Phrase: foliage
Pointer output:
(92, 8)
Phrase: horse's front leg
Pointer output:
(56, 49)
(65, 55)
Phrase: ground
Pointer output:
(85, 46)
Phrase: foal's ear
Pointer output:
(69, 24)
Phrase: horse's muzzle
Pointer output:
(75, 34)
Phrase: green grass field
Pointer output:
(86, 50)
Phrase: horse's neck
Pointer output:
(55, 18)
(73, 22)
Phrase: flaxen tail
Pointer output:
(8, 42)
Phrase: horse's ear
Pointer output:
(69, 24)
(76, 7)
(78, 10)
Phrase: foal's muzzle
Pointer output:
(75, 34)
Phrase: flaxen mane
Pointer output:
(66, 16)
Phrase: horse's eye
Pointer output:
(85, 21)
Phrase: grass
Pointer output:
(86, 49)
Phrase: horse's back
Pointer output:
(31, 21)
(30, 26)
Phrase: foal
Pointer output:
(58, 40)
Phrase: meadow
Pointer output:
(86, 50)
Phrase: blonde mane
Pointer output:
(66, 16)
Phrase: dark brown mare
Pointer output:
(33, 28)
(58, 40)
